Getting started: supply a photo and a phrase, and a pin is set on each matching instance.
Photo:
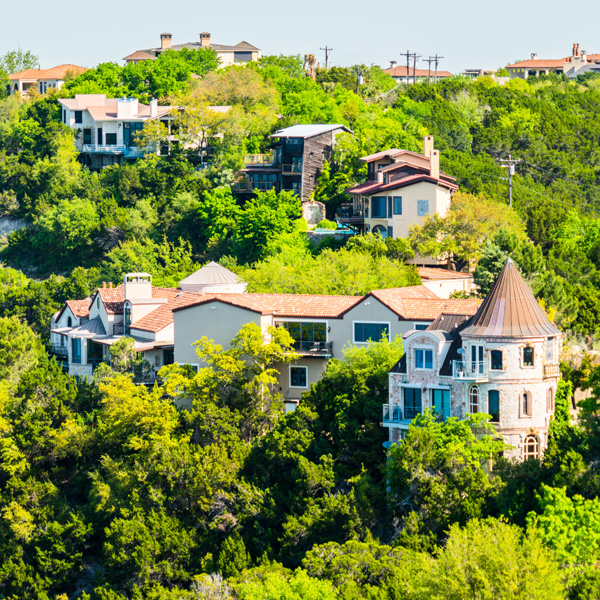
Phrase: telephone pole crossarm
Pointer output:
(509, 163)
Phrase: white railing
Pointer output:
(112, 149)
(470, 370)
(392, 412)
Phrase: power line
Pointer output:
(327, 51)
(436, 59)
(429, 61)
(408, 55)
(415, 56)
(510, 164)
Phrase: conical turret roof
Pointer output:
(510, 310)
(211, 274)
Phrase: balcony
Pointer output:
(265, 160)
(59, 350)
(320, 349)
(252, 186)
(128, 151)
(470, 370)
(394, 413)
(551, 370)
(294, 169)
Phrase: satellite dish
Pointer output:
(460, 351)
(388, 445)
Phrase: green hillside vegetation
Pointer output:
(111, 491)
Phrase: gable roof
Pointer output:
(59, 72)
(140, 55)
(539, 63)
(436, 274)
(373, 187)
(79, 308)
(308, 131)
(510, 310)
(162, 316)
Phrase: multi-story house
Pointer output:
(165, 322)
(107, 127)
(401, 190)
(503, 361)
(294, 162)
(399, 72)
(228, 55)
(578, 63)
(41, 80)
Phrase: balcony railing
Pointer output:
(551, 370)
(314, 348)
(59, 350)
(470, 370)
(259, 159)
(394, 413)
(112, 149)
(251, 186)
(291, 169)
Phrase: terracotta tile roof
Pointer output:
(510, 310)
(429, 273)
(80, 308)
(58, 72)
(539, 63)
(140, 55)
(162, 316)
(400, 71)
(425, 309)
(113, 298)
(411, 291)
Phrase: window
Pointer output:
(420, 326)
(423, 358)
(130, 131)
(127, 318)
(378, 207)
(64, 115)
(550, 400)
(531, 447)
(381, 230)
(298, 377)
(242, 56)
(306, 336)
(412, 402)
(78, 116)
(76, 350)
(441, 403)
(69, 322)
(476, 366)
(87, 136)
(111, 139)
(550, 350)
(364, 332)
(422, 208)
(100, 140)
(494, 404)
(526, 404)
(474, 399)
(496, 360)
(397, 205)
(389, 208)
(528, 353)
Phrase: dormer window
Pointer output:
(423, 359)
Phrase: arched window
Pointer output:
(550, 400)
(474, 399)
(526, 404)
(69, 322)
(531, 447)
(381, 230)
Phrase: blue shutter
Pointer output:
(389, 207)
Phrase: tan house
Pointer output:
(443, 283)
(578, 63)
(399, 74)
(166, 322)
(503, 361)
(241, 53)
(401, 190)
(41, 80)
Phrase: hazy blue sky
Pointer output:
(467, 33)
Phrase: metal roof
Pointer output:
(308, 131)
(510, 310)
(211, 274)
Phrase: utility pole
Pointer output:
(429, 61)
(510, 163)
(327, 51)
(415, 56)
(359, 78)
(408, 54)
(436, 60)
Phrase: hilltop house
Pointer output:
(40, 79)
(228, 55)
(578, 63)
(294, 163)
(503, 361)
(402, 188)
(398, 73)
(107, 127)
(165, 322)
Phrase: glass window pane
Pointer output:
(429, 359)
(419, 359)
(307, 332)
(494, 404)
(320, 332)
(496, 356)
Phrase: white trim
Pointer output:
(298, 387)
(426, 323)
(388, 323)
(197, 365)
(422, 347)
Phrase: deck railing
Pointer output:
(470, 370)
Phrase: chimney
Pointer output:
(205, 39)
(434, 165)
(533, 55)
(427, 145)
(153, 108)
(578, 53)
(165, 41)
(104, 285)
(392, 64)
(127, 108)
(110, 285)
(379, 176)
(138, 286)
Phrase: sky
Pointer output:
(467, 33)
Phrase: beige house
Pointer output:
(399, 74)
(443, 283)
(166, 322)
(401, 190)
(503, 361)
(241, 53)
(41, 80)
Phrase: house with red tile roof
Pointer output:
(399, 73)
(41, 80)
(502, 361)
(402, 189)
(166, 322)
(578, 63)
